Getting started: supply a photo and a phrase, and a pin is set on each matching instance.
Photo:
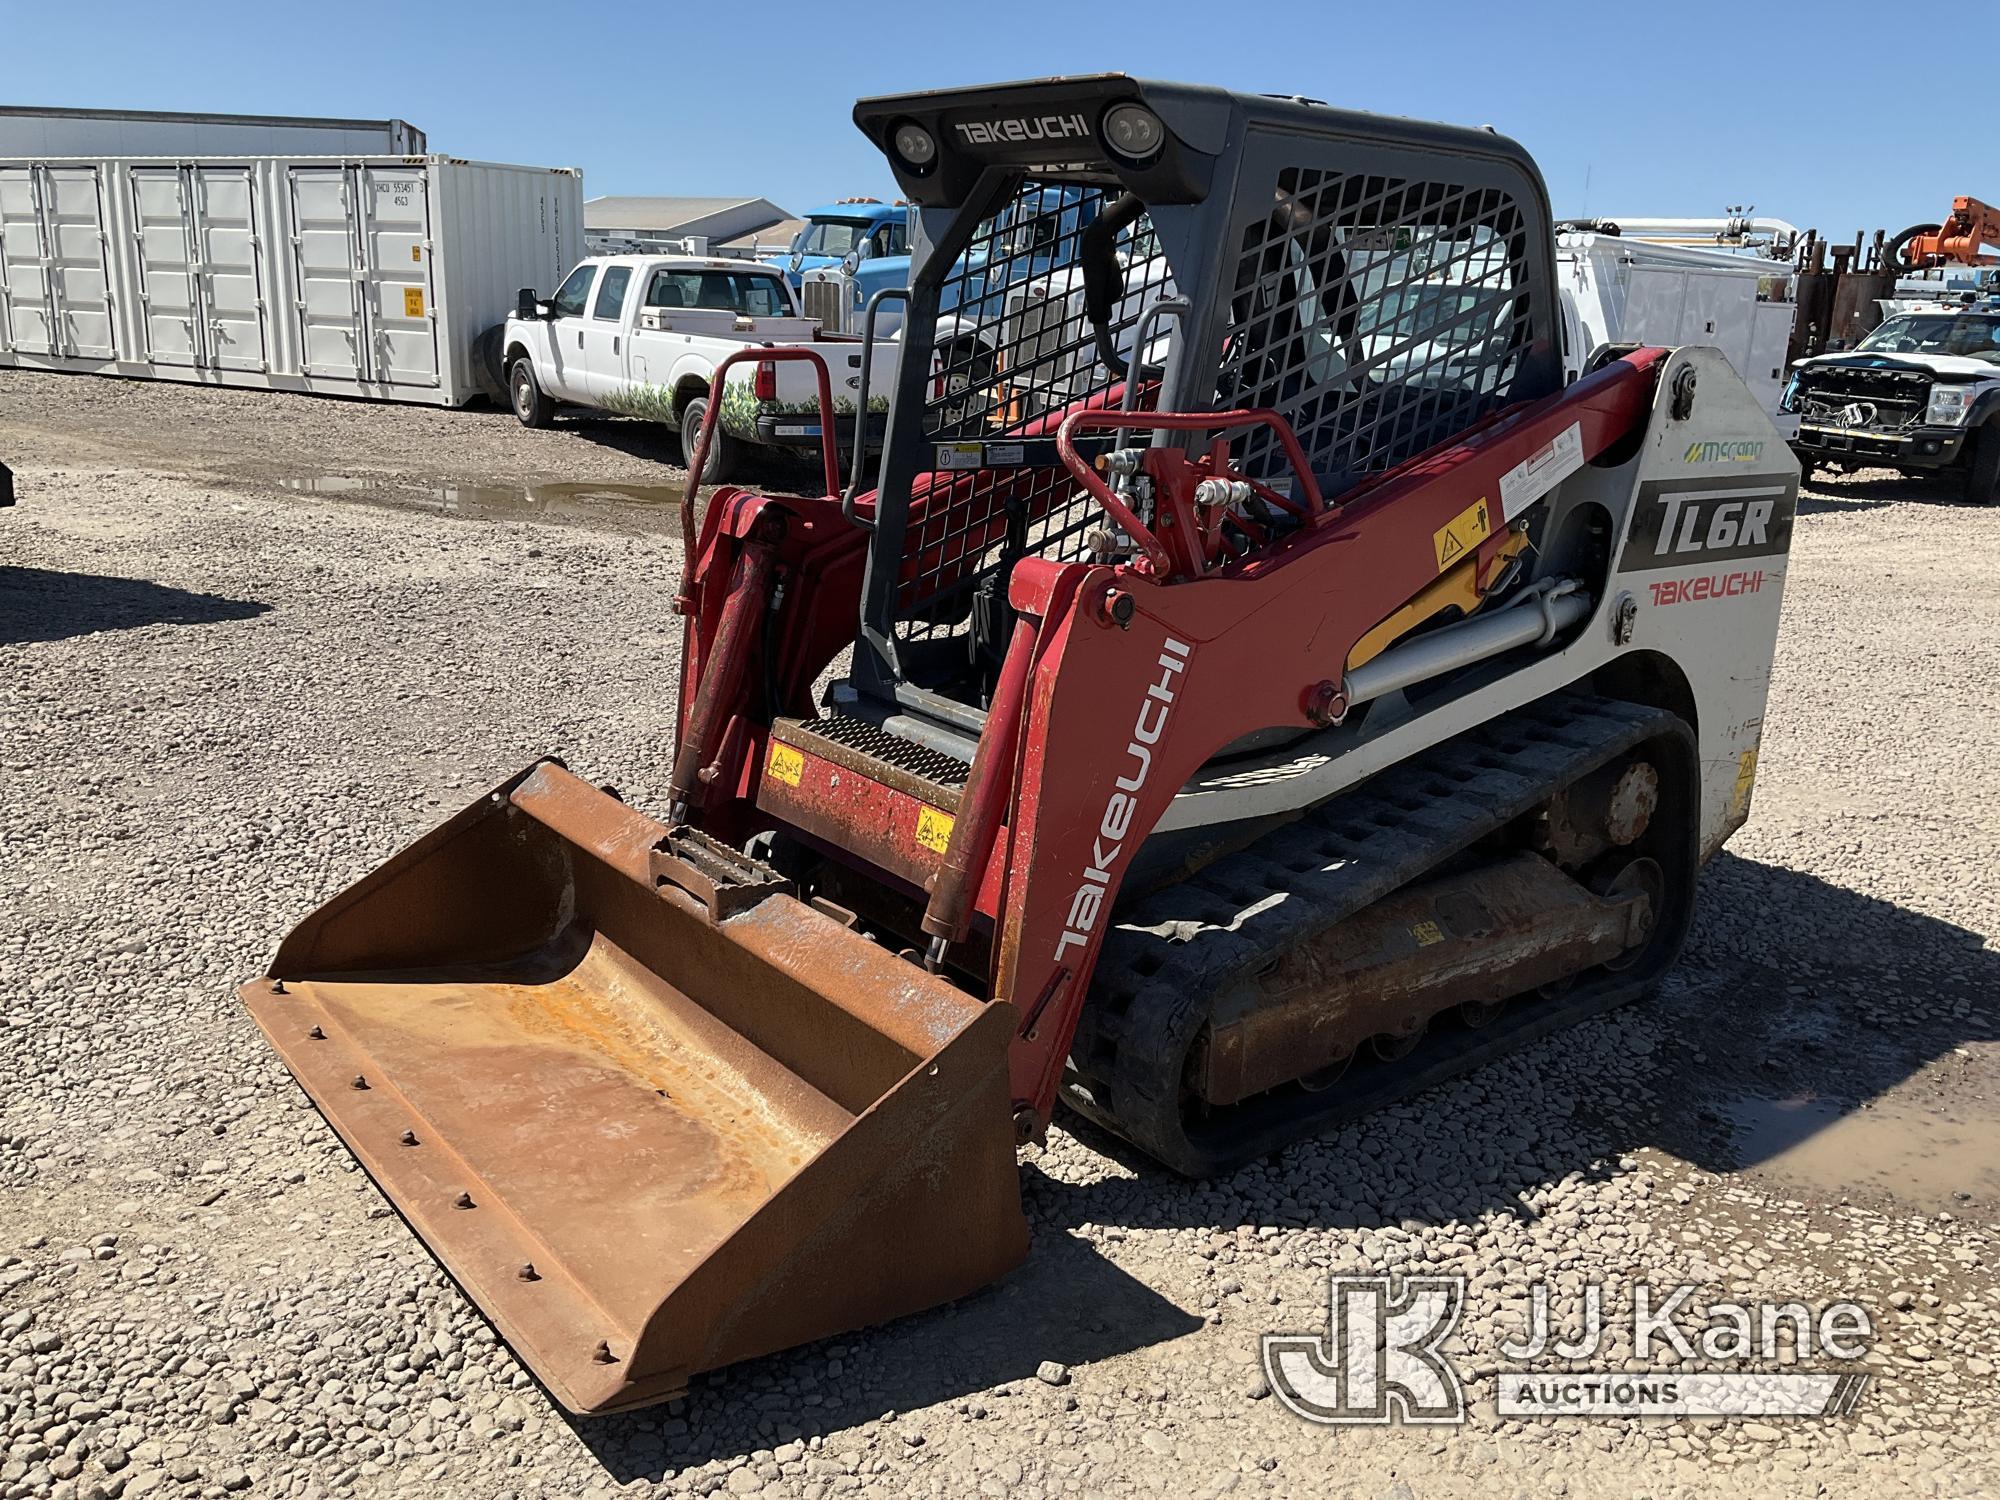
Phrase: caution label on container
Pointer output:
(785, 764)
(934, 829)
(1462, 533)
(413, 302)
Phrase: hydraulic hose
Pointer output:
(1103, 284)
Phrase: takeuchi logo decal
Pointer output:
(1723, 453)
(1018, 128)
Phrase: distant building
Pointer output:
(614, 224)
(778, 236)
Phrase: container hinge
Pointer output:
(725, 880)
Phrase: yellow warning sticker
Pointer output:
(1427, 933)
(413, 302)
(785, 764)
(934, 828)
(1462, 533)
(417, 254)
(1746, 777)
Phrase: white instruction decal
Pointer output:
(1541, 471)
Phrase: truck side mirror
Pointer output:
(525, 305)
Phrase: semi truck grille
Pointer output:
(826, 301)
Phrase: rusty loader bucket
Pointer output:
(648, 1133)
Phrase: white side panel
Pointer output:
(1706, 312)
(331, 332)
(396, 275)
(496, 230)
(1654, 298)
(230, 279)
(168, 302)
(27, 320)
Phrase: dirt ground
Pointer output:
(228, 688)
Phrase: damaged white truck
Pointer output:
(644, 335)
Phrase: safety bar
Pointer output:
(1173, 421)
(861, 403)
(1177, 307)
(758, 355)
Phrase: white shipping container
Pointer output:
(379, 276)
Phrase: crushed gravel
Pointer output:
(222, 701)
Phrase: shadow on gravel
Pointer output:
(1791, 988)
(1066, 1304)
(773, 469)
(1791, 991)
(41, 604)
(1838, 494)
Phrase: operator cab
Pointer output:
(1102, 241)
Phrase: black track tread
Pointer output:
(1175, 950)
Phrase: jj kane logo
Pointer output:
(1382, 1358)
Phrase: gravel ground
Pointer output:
(223, 701)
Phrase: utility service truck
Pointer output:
(648, 336)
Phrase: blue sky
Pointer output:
(1629, 108)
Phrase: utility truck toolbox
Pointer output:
(1269, 688)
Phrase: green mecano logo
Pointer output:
(1723, 453)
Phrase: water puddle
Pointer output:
(1920, 1157)
(556, 501)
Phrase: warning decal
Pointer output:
(1462, 533)
(934, 828)
(786, 764)
(413, 302)
(1746, 777)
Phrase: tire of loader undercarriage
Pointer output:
(1178, 956)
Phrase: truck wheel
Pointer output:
(1982, 474)
(721, 448)
(531, 406)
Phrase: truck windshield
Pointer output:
(750, 294)
(1937, 333)
(833, 237)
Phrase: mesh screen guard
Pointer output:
(1381, 311)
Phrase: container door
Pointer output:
(396, 275)
(73, 219)
(326, 259)
(229, 281)
(27, 312)
(169, 317)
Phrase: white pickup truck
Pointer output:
(643, 335)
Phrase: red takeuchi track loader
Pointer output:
(1272, 691)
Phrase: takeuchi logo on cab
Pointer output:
(1723, 453)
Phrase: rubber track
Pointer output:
(1179, 947)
